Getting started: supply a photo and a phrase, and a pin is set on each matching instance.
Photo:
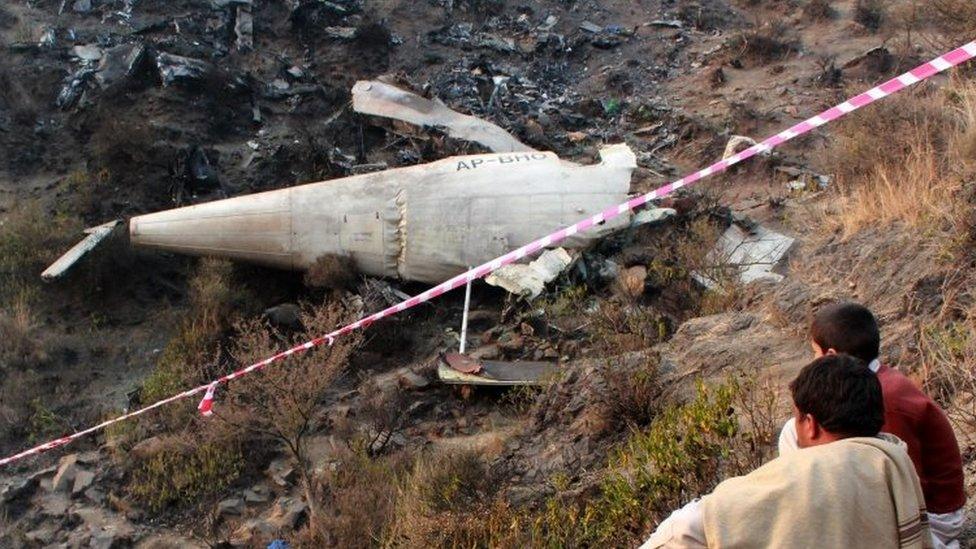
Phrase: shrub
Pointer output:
(870, 13)
(632, 396)
(819, 10)
(280, 403)
(215, 298)
(766, 44)
(361, 496)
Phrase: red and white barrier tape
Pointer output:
(894, 85)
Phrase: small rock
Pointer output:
(485, 352)
(67, 469)
(147, 448)
(511, 342)
(231, 506)
(43, 535)
(82, 6)
(737, 144)
(53, 505)
(18, 489)
(287, 512)
(83, 479)
(281, 472)
(258, 493)
(95, 495)
(105, 539)
(631, 281)
(250, 531)
(286, 314)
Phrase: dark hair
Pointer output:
(842, 394)
(848, 328)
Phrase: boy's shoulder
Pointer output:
(901, 393)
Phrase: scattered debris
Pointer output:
(458, 369)
(380, 99)
(748, 254)
(529, 280)
(652, 216)
(175, 69)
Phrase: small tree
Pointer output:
(280, 402)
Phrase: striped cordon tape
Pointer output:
(935, 66)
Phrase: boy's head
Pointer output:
(836, 397)
(847, 328)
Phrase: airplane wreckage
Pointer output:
(422, 223)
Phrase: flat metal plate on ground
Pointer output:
(494, 372)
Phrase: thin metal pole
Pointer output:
(464, 317)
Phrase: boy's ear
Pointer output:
(831, 351)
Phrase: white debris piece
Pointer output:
(750, 255)
(95, 235)
(381, 99)
(529, 280)
(652, 215)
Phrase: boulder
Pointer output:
(83, 479)
(231, 506)
(258, 493)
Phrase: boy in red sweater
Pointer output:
(910, 415)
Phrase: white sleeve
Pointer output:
(787, 438)
(684, 529)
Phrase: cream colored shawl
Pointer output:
(856, 492)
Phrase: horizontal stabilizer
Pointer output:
(96, 235)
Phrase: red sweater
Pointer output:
(913, 417)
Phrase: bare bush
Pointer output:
(819, 10)
(280, 403)
(633, 396)
(870, 13)
(766, 44)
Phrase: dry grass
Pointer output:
(955, 21)
(905, 163)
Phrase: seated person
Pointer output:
(851, 486)
(909, 414)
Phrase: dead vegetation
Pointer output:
(871, 14)
(331, 271)
(281, 404)
(914, 176)
(819, 10)
(764, 44)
